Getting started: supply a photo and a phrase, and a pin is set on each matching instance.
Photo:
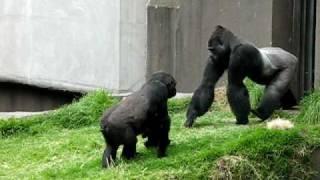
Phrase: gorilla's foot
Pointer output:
(242, 122)
(260, 115)
(161, 154)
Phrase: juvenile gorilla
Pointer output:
(273, 67)
(144, 112)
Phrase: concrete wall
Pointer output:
(84, 44)
(317, 58)
(191, 23)
(76, 45)
(133, 44)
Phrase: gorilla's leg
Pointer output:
(110, 152)
(273, 93)
(129, 147)
(238, 98)
(152, 140)
(163, 134)
(269, 103)
(288, 100)
(109, 155)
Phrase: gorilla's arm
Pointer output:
(204, 95)
(237, 92)
(105, 118)
(273, 93)
(109, 154)
(158, 132)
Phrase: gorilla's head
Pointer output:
(166, 79)
(218, 44)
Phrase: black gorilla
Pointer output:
(272, 67)
(144, 112)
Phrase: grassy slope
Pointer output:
(67, 144)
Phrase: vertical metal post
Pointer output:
(304, 33)
(310, 24)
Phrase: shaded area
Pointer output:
(19, 97)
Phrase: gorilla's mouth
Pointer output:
(173, 93)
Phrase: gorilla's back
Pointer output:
(279, 57)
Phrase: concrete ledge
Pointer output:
(164, 3)
(8, 115)
(178, 95)
(48, 84)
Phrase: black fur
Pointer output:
(272, 67)
(144, 112)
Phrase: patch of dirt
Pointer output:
(221, 95)
(315, 162)
(234, 167)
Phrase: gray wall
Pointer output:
(76, 45)
(133, 44)
(317, 58)
(179, 45)
(60, 43)
(80, 45)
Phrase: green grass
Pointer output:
(178, 105)
(310, 108)
(255, 92)
(67, 144)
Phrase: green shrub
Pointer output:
(85, 112)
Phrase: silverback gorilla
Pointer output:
(144, 112)
(272, 67)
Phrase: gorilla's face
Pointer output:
(172, 88)
(216, 48)
(168, 80)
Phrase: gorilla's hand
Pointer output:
(191, 116)
(189, 123)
